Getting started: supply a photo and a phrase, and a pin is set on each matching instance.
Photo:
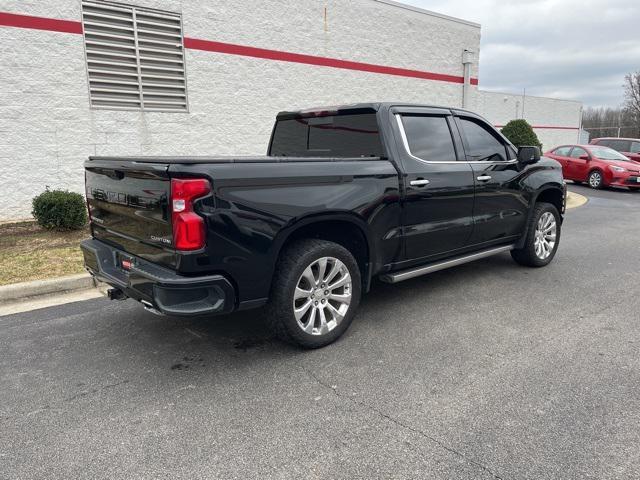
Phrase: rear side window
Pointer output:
(355, 135)
(562, 151)
(635, 147)
(620, 145)
(429, 138)
(483, 145)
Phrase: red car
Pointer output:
(598, 166)
(629, 147)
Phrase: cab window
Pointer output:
(429, 138)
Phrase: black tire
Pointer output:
(595, 179)
(527, 255)
(293, 262)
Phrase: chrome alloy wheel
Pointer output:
(595, 179)
(545, 240)
(322, 296)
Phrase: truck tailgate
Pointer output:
(129, 207)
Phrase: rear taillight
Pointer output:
(188, 227)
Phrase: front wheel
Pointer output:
(543, 237)
(596, 180)
(315, 293)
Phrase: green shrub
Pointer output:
(520, 133)
(60, 210)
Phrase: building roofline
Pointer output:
(423, 11)
(512, 94)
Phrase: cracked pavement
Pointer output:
(489, 370)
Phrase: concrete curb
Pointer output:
(575, 200)
(37, 288)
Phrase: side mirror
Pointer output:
(528, 155)
(584, 157)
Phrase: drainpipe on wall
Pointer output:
(467, 61)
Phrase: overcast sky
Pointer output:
(558, 48)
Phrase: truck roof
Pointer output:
(365, 107)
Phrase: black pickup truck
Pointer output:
(345, 194)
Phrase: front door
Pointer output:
(501, 204)
(439, 187)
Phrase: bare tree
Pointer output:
(609, 122)
(632, 97)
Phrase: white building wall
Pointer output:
(47, 128)
(556, 122)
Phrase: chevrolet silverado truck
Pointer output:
(345, 195)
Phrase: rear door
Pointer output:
(501, 204)
(578, 164)
(561, 154)
(129, 207)
(438, 201)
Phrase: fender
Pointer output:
(341, 216)
(534, 199)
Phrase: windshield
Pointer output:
(606, 153)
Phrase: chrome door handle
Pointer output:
(420, 183)
(484, 178)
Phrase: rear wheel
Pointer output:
(315, 293)
(543, 237)
(595, 179)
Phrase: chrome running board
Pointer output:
(434, 267)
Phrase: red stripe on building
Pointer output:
(547, 127)
(40, 23)
(70, 26)
(232, 49)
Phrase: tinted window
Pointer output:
(562, 151)
(483, 144)
(604, 143)
(620, 145)
(635, 147)
(429, 138)
(577, 152)
(328, 136)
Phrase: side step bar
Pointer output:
(434, 267)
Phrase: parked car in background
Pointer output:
(598, 166)
(629, 147)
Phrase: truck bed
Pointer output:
(227, 159)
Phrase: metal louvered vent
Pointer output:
(135, 57)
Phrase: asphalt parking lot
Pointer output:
(489, 370)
